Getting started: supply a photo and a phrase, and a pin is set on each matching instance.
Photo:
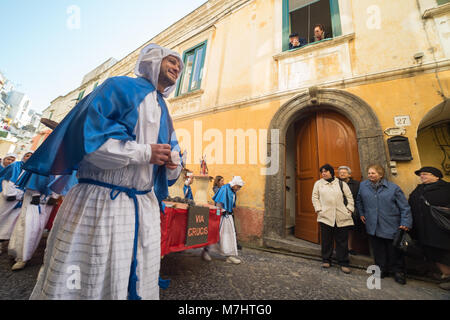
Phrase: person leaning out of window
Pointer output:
(334, 217)
(384, 210)
(295, 41)
(319, 33)
(434, 239)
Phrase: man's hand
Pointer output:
(404, 228)
(174, 160)
(171, 166)
(363, 219)
(160, 154)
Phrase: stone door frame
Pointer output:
(369, 134)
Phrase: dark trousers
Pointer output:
(330, 235)
(386, 256)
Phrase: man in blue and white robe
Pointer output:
(225, 199)
(10, 197)
(33, 217)
(105, 241)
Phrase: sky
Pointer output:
(47, 46)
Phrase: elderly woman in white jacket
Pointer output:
(333, 203)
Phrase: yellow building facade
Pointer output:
(274, 115)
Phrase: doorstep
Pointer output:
(311, 250)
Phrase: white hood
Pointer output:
(10, 155)
(149, 65)
(237, 181)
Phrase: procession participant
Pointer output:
(7, 160)
(187, 190)
(121, 140)
(225, 199)
(10, 198)
(33, 217)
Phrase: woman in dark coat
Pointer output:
(434, 240)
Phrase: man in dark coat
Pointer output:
(345, 174)
(434, 240)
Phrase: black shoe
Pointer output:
(400, 277)
(239, 247)
(384, 274)
(352, 252)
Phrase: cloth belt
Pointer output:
(132, 193)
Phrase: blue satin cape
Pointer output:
(11, 173)
(226, 197)
(110, 112)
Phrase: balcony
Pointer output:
(328, 60)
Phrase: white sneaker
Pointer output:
(206, 256)
(233, 260)
(19, 265)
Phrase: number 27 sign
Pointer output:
(402, 121)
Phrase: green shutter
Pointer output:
(286, 25)
(335, 18)
(192, 52)
(441, 2)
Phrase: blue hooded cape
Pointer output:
(226, 197)
(36, 182)
(11, 173)
(109, 112)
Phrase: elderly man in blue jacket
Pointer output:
(384, 210)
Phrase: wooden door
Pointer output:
(306, 226)
(323, 137)
(337, 142)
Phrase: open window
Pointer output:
(301, 16)
(192, 76)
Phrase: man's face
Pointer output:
(8, 160)
(343, 174)
(170, 70)
(236, 188)
(318, 33)
(27, 156)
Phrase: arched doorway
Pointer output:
(371, 149)
(322, 137)
(433, 139)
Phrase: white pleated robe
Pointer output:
(89, 249)
(8, 213)
(29, 228)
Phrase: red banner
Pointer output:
(173, 230)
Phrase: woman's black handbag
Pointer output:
(403, 240)
(441, 215)
(409, 247)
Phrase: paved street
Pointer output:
(261, 276)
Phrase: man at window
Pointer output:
(295, 41)
(319, 33)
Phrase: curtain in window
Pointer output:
(298, 4)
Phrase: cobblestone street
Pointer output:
(262, 276)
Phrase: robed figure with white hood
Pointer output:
(105, 241)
